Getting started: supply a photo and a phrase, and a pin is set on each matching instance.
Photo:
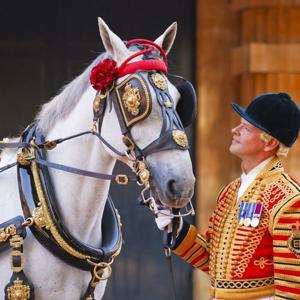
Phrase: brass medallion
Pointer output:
(159, 81)
(131, 99)
(180, 138)
(18, 291)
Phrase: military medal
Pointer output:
(249, 212)
(242, 213)
(256, 215)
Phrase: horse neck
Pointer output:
(81, 200)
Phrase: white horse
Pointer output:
(82, 199)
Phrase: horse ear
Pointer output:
(166, 40)
(113, 45)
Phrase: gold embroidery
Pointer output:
(262, 262)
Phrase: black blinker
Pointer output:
(187, 104)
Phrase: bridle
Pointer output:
(172, 135)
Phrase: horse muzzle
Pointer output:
(174, 192)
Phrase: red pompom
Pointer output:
(103, 75)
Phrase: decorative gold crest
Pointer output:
(18, 291)
(142, 172)
(23, 156)
(131, 99)
(5, 233)
(180, 138)
(159, 81)
(39, 217)
(294, 240)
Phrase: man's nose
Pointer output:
(236, 129)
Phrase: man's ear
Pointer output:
(271, 144)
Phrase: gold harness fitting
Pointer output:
(122, 179)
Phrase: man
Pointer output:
(252, 247)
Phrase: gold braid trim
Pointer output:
(242, 289)
(50, 224)
(279, 212)
(242, 284)
(244, 294)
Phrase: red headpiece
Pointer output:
(103, 75)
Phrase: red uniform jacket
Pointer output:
(247, 262)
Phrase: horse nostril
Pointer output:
(172, 187)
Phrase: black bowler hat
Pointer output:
(276, 114)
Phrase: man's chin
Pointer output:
(233, 149)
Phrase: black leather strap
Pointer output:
(86, 173)
(110, 224)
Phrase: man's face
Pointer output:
(246, 140)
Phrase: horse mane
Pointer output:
(62, 104)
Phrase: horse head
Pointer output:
(149, 114)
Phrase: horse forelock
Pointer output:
(63, 103)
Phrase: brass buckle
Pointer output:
(49, 145)
(122, 179)
(17, 254)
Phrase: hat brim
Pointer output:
(242, 112)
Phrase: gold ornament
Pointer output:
(180, 138)
(159, 81)
(168, 104)
(131, 99)
(23, 156)
(7, 232)
(39, 218)
(18, 291)
(3, 235)
(142, 172)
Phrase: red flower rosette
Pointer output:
(103, 75)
